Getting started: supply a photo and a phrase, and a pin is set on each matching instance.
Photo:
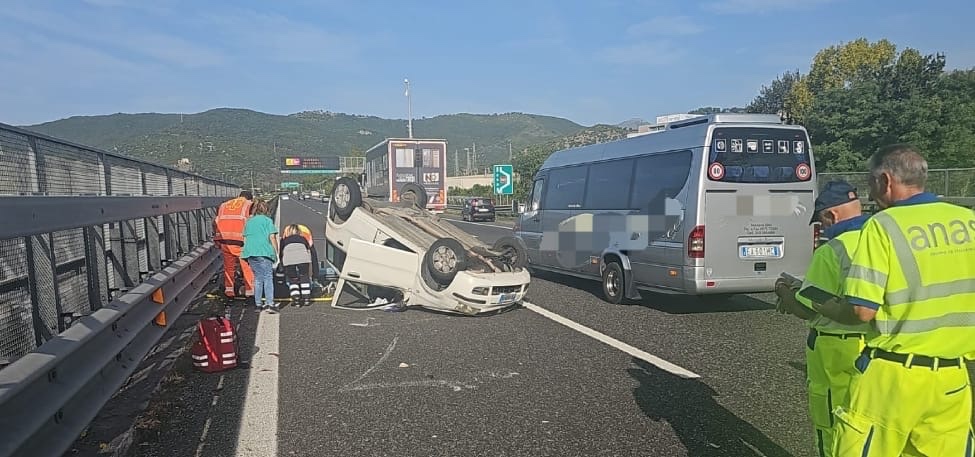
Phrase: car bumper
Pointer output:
(696, 282)
(503, 290)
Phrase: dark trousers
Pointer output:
(299, 280)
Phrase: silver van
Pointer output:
(709, 206)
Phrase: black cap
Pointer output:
(834, 194)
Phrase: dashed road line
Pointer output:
(649, 358)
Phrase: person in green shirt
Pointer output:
(260, 252)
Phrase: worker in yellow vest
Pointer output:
(913, 278)
(228, 234)
(831, 347)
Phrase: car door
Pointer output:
(375, 264)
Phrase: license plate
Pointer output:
(483, 210)
(760, 252)
(507, 298)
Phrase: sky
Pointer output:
(587, 61)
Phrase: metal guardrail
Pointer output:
(69, 265)
(93, 248)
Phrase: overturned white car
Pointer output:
(406, 249)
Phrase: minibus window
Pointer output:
(759, 155)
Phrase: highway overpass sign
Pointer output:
(289, 185)
(504, 179)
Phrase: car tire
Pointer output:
(444, 259)
(346, 196)
(614, 283)
(509, 246)
(414, 195)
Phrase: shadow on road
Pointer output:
(667, 303)
(703, 426)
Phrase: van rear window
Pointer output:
(759, 155)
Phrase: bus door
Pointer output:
(430, 163)
(758, 200)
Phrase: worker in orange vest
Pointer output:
(228, 233)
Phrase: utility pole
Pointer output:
(456, 163)
(474, 155)
(409, 102)
(509, 151)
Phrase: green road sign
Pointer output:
(289, 185)
(504, 179)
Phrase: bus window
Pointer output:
(566, 187)
(609, 185)
(404, 158)
(658, 177)
(536, 196)
(759, 155)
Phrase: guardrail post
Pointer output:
(42, 332)
(95, 266)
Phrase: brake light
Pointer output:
(695, 243)
(817, 232)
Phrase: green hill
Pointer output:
(238, 141)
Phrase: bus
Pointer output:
(709, 207)
(397, 165)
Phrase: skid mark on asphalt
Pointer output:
(454, 385)
(642, 355)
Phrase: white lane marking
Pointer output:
(650, 358)
(479, 223)
(258, 434)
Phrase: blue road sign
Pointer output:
(504, 179)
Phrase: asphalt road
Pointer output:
(419, 383)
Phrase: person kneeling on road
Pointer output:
(831, 347)
(300, 262)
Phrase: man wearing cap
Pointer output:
(831, 347)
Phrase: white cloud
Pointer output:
(278, 38)
(666, 25)
(105, 32)
(642, 53)
(761, 6)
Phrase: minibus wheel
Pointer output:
(444, 259)
(613, 283)
(510, 248)
(346, 196)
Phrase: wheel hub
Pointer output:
(342, 196)
(444, 259)
(612, 283)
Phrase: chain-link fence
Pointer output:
(947, 182)
(49, 279)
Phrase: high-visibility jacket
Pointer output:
(229, 223)
(915, 265)
(829, 266)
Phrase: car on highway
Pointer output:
(478, 208)
(710, 206)
(406, 248)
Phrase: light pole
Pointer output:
(409, 103)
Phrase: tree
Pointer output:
(772, 98)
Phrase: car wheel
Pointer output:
(444, 259)
(346, 196)
(510, 248)
(414, 195)
(613, 283)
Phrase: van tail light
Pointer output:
(817, 232)
(695, 243)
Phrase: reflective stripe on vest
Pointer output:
(231, 218)
(929, 285)
(841, 246)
